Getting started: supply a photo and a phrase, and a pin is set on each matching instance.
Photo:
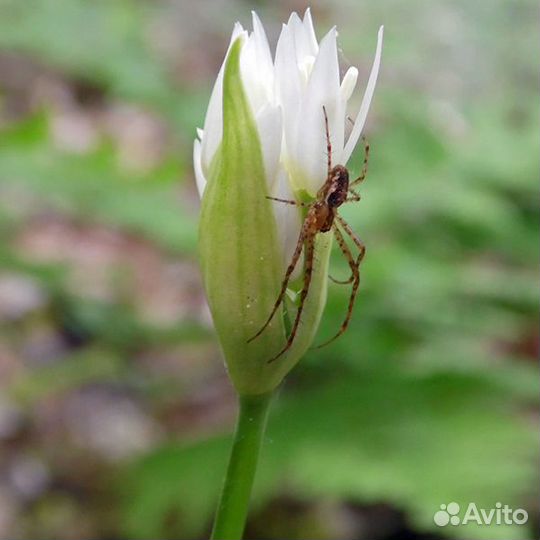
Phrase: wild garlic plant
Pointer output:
(265, 136)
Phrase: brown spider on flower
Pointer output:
(322, 216)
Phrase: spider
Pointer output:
(322, 216)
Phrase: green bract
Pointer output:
(240, 256)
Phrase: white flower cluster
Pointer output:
(287, 96)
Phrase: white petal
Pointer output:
(305, 68)
(287, 220)
(250, 79)
(269, 127)
(348, 84)
(264, 56)
(200, 134)
(197, 166)
(301, 41)
(366, 101)
(310, 153)
(287, 85)
(213, 123)
(310, 33)
(257, 68)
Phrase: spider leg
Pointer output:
(328, 143)
(348, 255)
(290, 269)
(359, 244)
(354, 196)
(288, 201)
(354, 265)
(341, 281)
(308, 270)
(363, 173)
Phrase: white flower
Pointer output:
(287, 96)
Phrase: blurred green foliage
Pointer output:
(425, 400)
(93, 185)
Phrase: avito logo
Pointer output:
(449, 514)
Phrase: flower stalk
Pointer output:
(234, 501)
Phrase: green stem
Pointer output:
(233, 505)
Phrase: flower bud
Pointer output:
(264, 136)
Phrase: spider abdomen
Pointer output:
(320, 216)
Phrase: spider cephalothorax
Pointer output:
(321, 217)
(332, 195)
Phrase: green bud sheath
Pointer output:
(240, 254)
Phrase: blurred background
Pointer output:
(115, 409)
